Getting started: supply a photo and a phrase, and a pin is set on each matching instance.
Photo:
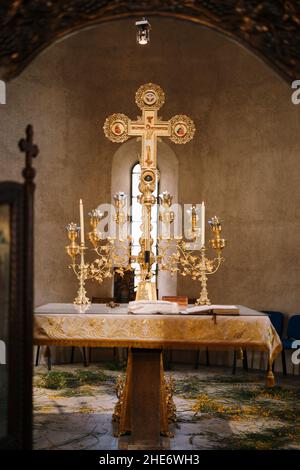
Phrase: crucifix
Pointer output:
(149, 98)
(31, 151)
(118, 128)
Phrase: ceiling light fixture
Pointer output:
(143, 32)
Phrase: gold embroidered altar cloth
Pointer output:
(101, 326)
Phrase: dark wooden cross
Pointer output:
(31, 151)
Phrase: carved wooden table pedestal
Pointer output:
(145, 401)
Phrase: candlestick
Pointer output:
(83, 275)
(194, 219)
(73, 248)
(203, 224)
(81, 222)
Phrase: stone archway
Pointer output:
(269, 30)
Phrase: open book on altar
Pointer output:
(215, 309)
(148, 307)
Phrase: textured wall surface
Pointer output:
(244, 160)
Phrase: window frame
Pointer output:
(155, 275)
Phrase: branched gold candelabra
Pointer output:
(198, 266)
(80, 269)
(111, 252)
(177, 256)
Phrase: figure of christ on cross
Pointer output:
(149, 128)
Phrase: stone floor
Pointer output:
(215, 410)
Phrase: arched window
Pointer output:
(136, 220)
(123, 163)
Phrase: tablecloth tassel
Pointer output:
(270, 379)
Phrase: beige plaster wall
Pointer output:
(244, 160)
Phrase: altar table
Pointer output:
(147, 336)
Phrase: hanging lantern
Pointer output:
(143, 31)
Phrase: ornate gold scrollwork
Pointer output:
(120, 385)
(169, 391)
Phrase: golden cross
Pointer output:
(149, 98)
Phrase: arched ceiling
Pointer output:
(269, 28)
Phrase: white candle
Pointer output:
(203, 224)
(81, 221)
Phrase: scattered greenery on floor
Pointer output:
(189, 387)
(116, 365)
(252, 416)
(77, 383)
(270, 438)
(241, 400)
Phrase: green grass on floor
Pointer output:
(116, 365)
(242, 400)
(268, 439)
(256, 417)
(77, 383)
